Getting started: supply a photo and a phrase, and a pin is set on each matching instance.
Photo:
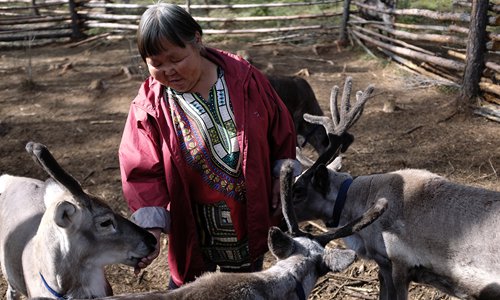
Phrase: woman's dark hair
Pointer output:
(165, 21)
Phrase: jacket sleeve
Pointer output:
(142, 173)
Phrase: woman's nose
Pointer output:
(168, 70)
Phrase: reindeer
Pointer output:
(299, 98)
(434, 231)
(301, 261)
(55, 239)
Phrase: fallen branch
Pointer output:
(95, 37)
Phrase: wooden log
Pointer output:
(96, 24)
(266, 30)
(447, 63)
(360, 43)
(490, 88)
(412, 66)
(38, 36)
(492, 7)
(214, 6)
(440, 16)
(14, 31)
(426, 37)
(489, 64)
(17, 1)
(37, 6)
(443, 73)
(266, 18)
(88, 40)
(133, 27)
(394, 41)
(488, 110)
(33, 20)
(98, 16)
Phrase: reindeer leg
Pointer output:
(387, 290)
(12, 294)
(400, 279)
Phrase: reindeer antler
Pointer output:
(368, 217)
(286, 182)
(341, 120)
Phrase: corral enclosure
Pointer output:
(77, 100)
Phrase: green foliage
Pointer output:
(441, 5)
(448, 90)
(96, 31)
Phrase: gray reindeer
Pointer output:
(434, 231)
(55, 239)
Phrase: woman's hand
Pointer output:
(146, 261)
(276, 200)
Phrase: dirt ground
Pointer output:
(79, 97)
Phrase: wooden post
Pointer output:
(343, 27)
(35, 8)
(77, 33)
(188, 6)
(476, 48)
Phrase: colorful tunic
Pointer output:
(206, 131)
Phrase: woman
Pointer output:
(201, 150)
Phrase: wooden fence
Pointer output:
(440, 45)
(431, 43)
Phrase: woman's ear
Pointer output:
(197, 40)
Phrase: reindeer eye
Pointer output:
(106, 223)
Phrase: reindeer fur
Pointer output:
(300, 260)
(62, 233)
(434, 231)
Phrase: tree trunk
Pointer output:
(345, 19)
(476, 47)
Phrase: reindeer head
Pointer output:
(283, 246)
(315, 191)
(81, 226)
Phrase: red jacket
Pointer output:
(152, 165)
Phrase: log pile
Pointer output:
(436, 51)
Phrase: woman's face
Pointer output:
(176, 67)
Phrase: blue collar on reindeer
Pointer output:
(56, 294)
(339, 203)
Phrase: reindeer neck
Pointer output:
(358, 197)
(54, 273)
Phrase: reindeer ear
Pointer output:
(64, 214)
(280, 244)
(338, 260)
(320, 180)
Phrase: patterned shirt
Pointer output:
(206, 131)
